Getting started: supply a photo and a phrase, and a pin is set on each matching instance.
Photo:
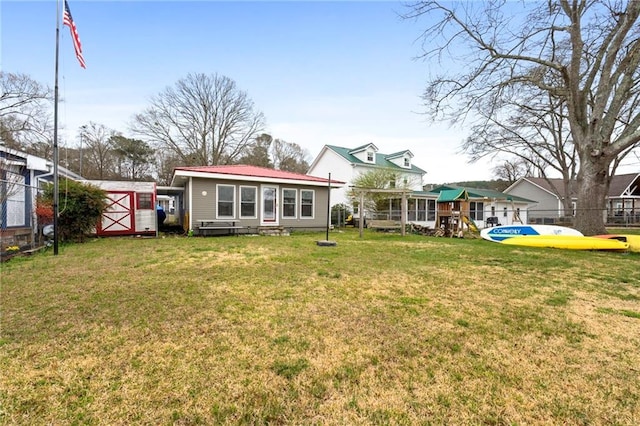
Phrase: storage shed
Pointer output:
(131, 208)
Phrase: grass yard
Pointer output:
(277, 330)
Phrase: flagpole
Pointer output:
(55, 136)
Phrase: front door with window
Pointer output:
(269, 205)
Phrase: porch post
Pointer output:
(361, 221)
(403, 214)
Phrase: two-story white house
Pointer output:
(346, 164)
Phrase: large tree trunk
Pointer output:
(592, 190)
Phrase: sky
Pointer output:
(331, 72)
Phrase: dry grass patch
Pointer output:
(385, 330)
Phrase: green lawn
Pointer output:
(379, 330)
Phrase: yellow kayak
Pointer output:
(569, 242)
(632, 240)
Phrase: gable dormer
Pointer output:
(400, 159)
(365, 153)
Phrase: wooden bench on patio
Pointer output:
(384, 225)
(210, 225)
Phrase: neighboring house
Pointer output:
(251, 199)
(623, 199)
(346, 164)
(22, 176)
(131, 208)
(436, 207)
(623, 202)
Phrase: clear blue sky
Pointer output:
(341, 73)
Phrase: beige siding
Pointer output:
(204, 205)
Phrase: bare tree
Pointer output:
(204, 119)
(165, 162)
(511, 170)
(585, 54)
(289, 156)
(25, 111)
(99, 158)
(532, 128)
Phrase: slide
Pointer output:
(470, 223)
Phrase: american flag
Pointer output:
(68, 21)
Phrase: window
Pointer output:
(493, 210)
(411, 209)
(395, 209)
(289, 203)
(306, 203)
(422, 210)
(504, 212)
(407, 162)
(145, 201)
(248, 196)
(370, 156)
(15, 193)
(431, 209)
(226, 197)
(476, 210)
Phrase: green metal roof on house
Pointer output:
(361, 147)
(380, 160)
(399, 154)
(483, 193)
(452, 195)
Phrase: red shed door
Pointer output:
(118, 218)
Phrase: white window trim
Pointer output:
(16, 199)
(295, 205)
(233, 207)
(313, 204)
(255, 202)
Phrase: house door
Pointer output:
(118, 218)
(269, 205)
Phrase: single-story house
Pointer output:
(251, 199)
(22, 176)
(623, 199)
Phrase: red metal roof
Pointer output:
(255, 171)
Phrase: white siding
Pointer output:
(340, 170)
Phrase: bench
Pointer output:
(218, 225)
(384, 225)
